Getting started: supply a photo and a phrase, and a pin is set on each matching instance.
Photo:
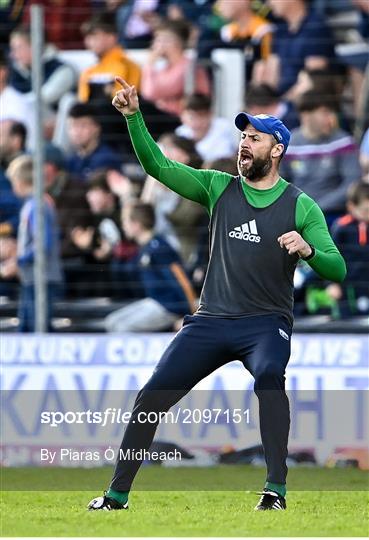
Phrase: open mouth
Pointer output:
(245, 159)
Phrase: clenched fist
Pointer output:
(126, 99)
(294, 243)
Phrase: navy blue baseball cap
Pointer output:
(266, 124)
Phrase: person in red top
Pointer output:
(63, 19)
(165, 75)
(351, 235)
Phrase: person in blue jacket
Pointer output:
(88, 152)
(20, 173)
(169, 293)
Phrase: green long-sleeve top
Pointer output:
(206, 186)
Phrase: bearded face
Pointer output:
(252, 166)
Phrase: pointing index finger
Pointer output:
(122, 82)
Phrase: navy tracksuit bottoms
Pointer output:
(261, 343)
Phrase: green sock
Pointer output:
(278, 488)
(119, 496)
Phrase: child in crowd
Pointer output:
(351, 235)
(169, 294)
(213, 136)
(20, 173)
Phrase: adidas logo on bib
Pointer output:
(247, 231)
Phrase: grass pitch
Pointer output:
(182, 513)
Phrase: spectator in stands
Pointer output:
(247, 31)
(169, 294)
(101, 237)
(13, 134)
(214, 136)
(20, 172)
(70, 200)
(12, 144)
(126, 184)
(135, 21)
(96, 84)
(321, 159)
(195, 12)
(97, 81)
(351, 235)
(302, 39)
(123, 274)
(8, 264)
(177, 219)
(58, 77)
(12, 141)
(104, 233)
(363, 7)
(164, 74)
(63, 19)
(10, 206)
(364, 156)
(263, 99)
(14, 106)
(10, 17)
(328, 83)
(88, 152)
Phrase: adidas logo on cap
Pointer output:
(247, 232)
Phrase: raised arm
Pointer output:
(193, 184)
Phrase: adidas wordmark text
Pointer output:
(247, 231)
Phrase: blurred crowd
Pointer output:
(110, 231)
